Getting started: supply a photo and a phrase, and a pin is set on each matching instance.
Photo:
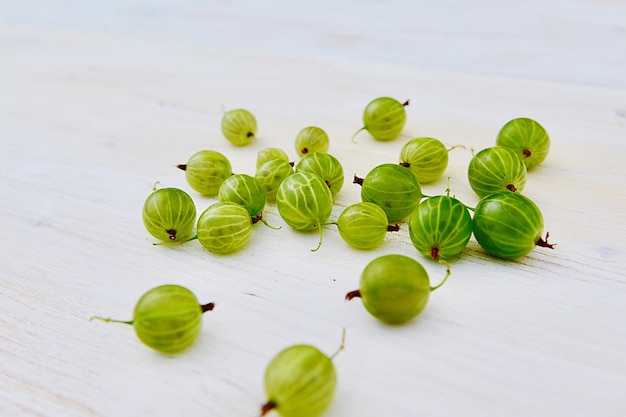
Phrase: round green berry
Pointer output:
(239, 127)
(426, 157)
(167, 318)
(508, 225)
(304, 202)
(384, 118)
(246, 191)
(325, 166)
(224, 227)
(169, 214)
(270, 175)
(527, 138)
(440, 227)
(393, 188)
(496, 169)
(268, 154)
(311, 139)
(364, 225)
(394, 288)
(300, 381)
(206, 171)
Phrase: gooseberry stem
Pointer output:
(207, 307)
(182, 166)
(353, 294)
(259, 218)
(448, 187)
(544, 242)
(393, 228)
(270, 226)
(357, 132)
(108, 319)
(357, 180)
(342, 345)
(267, 407)
(443, 262)
(320, 242)
(456, 146)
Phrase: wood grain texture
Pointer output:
(99, 101)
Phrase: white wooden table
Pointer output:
(98, 100)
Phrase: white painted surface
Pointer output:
(101, 99)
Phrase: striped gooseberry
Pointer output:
(364, 225)
(224, 227)
(206, 170)
(311, 139)
(304, 202)
(393, 188)
(268, 154)
(169, 214)
(394, 288)
(426, 157)
(167, 318)
(244, 190)
(239, 126)
(384, 118)
(270, 175)
(508, 225)
(440, 227)
(527, 138)
(496, 169)
(325, 166)
(300, 381)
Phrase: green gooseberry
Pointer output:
(239, 126)
(496, 169)
(508, 225)
(393, 188)
(169, 214)
(312, 139)
(246, 191)
(167, 318)
(224, 227)
(426, 157)
(300, 381)
(206, 170)
(394, 288)
(268, 154)
(325, 166)
(384, 118)
(304, 202)
(527, 138)
(270, 175)
(364, 225)
(440, 227)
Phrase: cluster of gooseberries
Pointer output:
(300, 380)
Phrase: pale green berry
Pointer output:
(311, 139)
(394, 288)
(167, 318)
(239, 127)
(169, 214)
(224, 227)
(206, 171)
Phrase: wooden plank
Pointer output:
(90, 119)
